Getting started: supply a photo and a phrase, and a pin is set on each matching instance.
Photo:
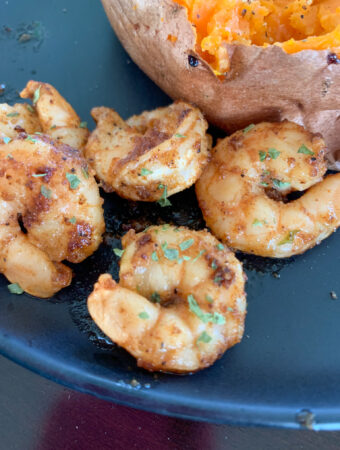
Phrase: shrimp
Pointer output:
(242, 192)
(151, 156)
(180, 302)
(56, 116)
(50, 211)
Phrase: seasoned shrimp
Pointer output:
(180, 302)
(46, 189)
(151, 156)
(56, 116)
(242, 191)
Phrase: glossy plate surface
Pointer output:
(289, 359)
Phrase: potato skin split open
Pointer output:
(263, 84)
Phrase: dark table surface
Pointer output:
(37, 414)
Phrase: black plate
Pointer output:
(289, 359)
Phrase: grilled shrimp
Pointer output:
(50, 211)
(180, 302)
(151, 156)
(56, 116)
(242, 192)
(51, 115)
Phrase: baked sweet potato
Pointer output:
(237, 77)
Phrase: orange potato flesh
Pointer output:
(293, 25)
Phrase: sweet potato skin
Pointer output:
(263, 84)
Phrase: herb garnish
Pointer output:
(83, 124)
(118, 252)
(209, 299)
(305, 150)
(53, 127)
(281, 185)
(248, 128)
(6, 140)
(262, 155)
(273, 153)
(163, 201)
(31, 139)
(12, 114)
(155, 297)
(220, 246)
(199, 255)
(9, 156)
(205, 317)
(15, 288)
(30, 109)
(145, 172)
(186, 244)
(38, 175)
(154, 256)
(258, 223)
(85, 172)
(36, 95)
(144, 315)
(178, 135)
(204, 337)
(46, 192)
(170, 253)
(73, 220)
(73, 180)
(289, 238)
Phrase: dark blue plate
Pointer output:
(289, 359)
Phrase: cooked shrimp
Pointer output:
(56, 116)
(16, 119)
(242, 191)
(151, 156)
(46, 188)
(180, 302)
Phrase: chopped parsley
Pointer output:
(204, 337)
(165, 227)
(218, 279)
(171, 254)
(220, 246)
(154, 256)
(83, 125)
(186, 244)
(145, 172)
(30, 109)
(143, 315)
(15, 288)
(118, 252)
(31, 139)
(9, 156)
(178, 135)
(53, 127)
(12, 114)
(305, 150)
(263, 183)
(209, 299)
(248, 128)
(262, 155)
(163, 201)
(36, 95)
(199, 255)
(280, 185)
(214, 265)
(289, 239)
(45, 191)
(38, 175)
(258, 223)
(73, 180)
(273, 153)
(155, 297)
(186, 258)
(85, 172)
(230, 309)
(73, 220)
(6, 140)
(205, 317)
